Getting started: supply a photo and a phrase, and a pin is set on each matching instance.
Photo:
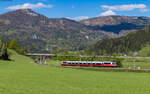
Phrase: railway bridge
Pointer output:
(41, 57)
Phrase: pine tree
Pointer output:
(5, 54)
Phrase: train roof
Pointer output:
(89, 61)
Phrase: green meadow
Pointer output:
(142, 62)
(22, 76)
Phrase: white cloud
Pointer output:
(78, 18)
(144, 10)
(111, 10)
(107, 13)
(125, 7)
(30, 6)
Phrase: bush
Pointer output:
(14, 44)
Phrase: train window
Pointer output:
(113, 63)
(106, 63)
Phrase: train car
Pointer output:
(90, 63)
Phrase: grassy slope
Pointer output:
(145, 51)
(23, 77)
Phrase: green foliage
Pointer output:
(133, 42)
(3, 51)
(16, 46)
(142, 62)
(145, 51)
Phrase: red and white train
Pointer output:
(90, 63)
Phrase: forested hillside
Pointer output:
(39, 33)
(131, 43)
(3, 51)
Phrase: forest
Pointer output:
(126, 45)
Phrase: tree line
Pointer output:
(129, 44)
(5, 46)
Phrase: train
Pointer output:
(90, 63)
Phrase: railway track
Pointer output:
(107, 68)
(97, 68)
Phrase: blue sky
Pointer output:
(80, 9)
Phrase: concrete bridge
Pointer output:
(41, 55)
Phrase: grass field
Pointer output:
(23, 77)
(136, 62)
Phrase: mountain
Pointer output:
(121, 25)
(131, 43)
(39, 33)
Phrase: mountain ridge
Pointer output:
(35, 31)
(40, 33)
(117, 24)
